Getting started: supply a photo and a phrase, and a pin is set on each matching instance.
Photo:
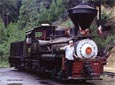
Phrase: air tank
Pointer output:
(82, 15)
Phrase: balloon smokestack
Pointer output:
(82, 16)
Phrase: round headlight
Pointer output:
(86, 48)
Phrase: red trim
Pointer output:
(63, 63)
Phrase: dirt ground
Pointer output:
(10, 76)
(111, 62)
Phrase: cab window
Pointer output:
(38, 34)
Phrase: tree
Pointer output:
(31, 15)
(43, 15)
(56, 9)
(28, 14)
(109, 3)
(1, 32)
(8, 11)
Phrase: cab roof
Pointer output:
(42, 27)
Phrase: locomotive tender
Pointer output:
(40, 51)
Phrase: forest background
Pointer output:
(18, 16)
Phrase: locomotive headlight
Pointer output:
(86, 48)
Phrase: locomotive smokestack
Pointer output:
(82, 15)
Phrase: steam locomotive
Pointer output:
(40, 51)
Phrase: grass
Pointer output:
(4, 64)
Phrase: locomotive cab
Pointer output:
(43, 32)
(40, 37)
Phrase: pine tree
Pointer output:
(28, 14)
(43, 14)
(56, 9)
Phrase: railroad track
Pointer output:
(109, 74)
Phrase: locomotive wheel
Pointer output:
(39, 71)
(53, 74)
(20, 67)
(58, 75)
(17, 67)
(82, 80)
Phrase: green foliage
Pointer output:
(8, 9)
(5, 7)
(106, 15)
(31, 16)
(28, 14)
(102, 42)
(67, 23)
(43, 15)
(109, 3)
(4, 64)
(1, 32)
(56, 9)
(9, 35)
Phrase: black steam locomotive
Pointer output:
(40, 51)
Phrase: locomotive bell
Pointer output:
(82, 15)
